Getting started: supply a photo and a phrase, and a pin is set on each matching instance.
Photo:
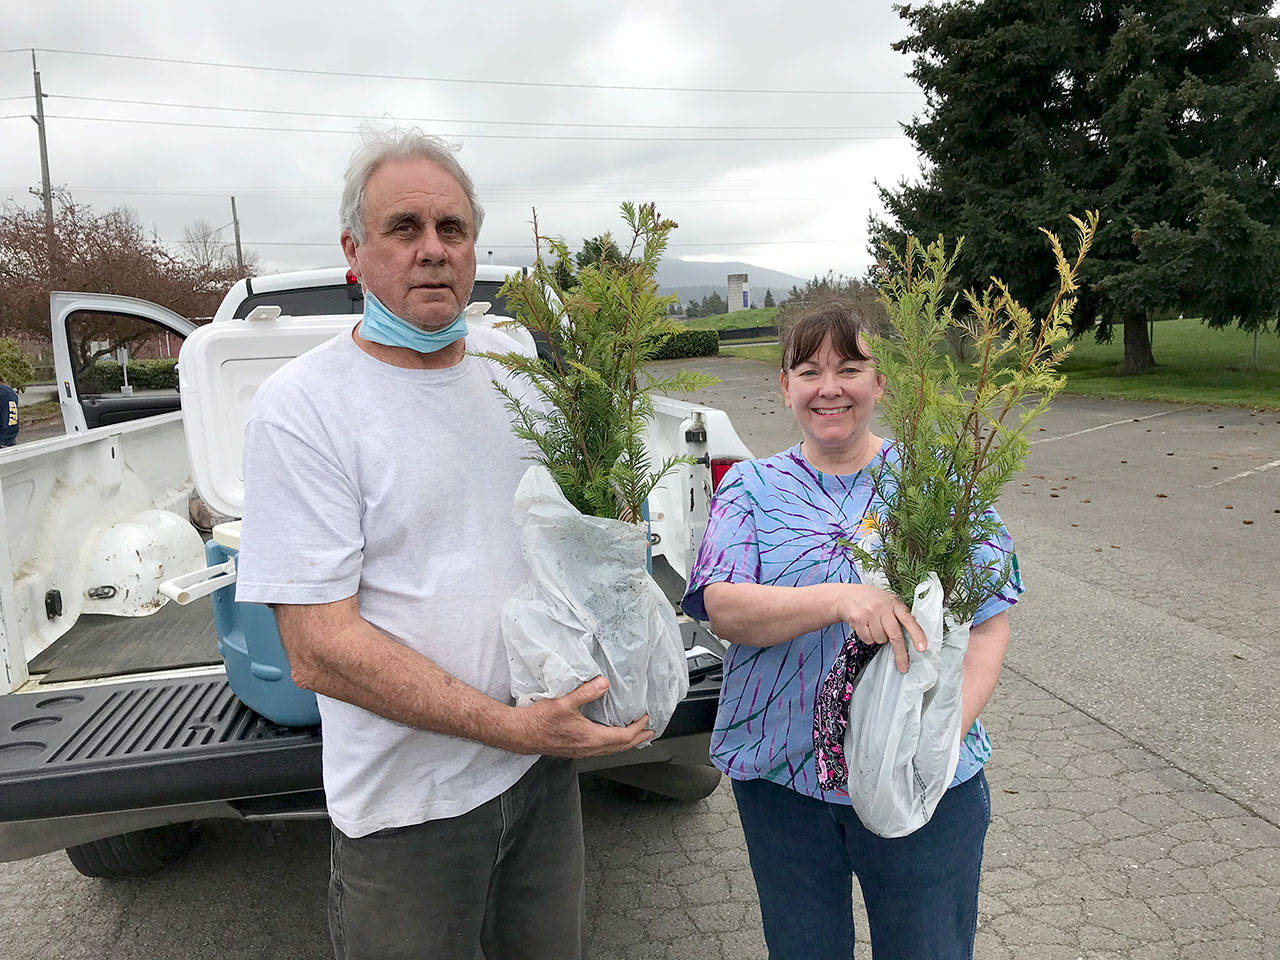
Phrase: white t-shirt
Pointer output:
(396, 486)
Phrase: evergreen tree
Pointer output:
(595, 251)
(599, 250)
(1163, 114)
(713, 304)
(566, 279)
(768, 298)
(692, 309)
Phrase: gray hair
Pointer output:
(378, 147)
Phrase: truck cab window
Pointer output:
(307, 302)
(124, 366)
(487, 290)
(336, 300)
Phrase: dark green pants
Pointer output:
(507, 877)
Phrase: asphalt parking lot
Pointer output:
(1136, 812)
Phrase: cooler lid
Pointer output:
(220, 368)
(227, 534)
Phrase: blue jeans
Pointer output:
(921, 890)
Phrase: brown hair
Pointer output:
(837, 318)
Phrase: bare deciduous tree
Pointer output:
(102, 253)
(863, 295)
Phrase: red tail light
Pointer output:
(719, 467)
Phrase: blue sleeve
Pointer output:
(993, 554)
(729, 552)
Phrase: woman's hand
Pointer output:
(760, 615)
(877, 616)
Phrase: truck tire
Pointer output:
(686, 782)
(137, 854)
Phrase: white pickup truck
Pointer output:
(118, 729)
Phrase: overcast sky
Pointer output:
(767, 190)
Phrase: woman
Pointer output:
(773, 580)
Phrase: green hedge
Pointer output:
(690, 343)
(163, 374)
(15, 369)
(143, 375)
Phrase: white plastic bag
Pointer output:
(903, 739)
(590, 608)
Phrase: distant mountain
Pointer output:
(693, 280)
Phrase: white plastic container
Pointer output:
(220, 368)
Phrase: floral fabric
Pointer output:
(831, 712)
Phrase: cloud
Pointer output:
(785, 200)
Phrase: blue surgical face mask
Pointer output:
(382, 326)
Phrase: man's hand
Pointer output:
(556, 727)
(877, 616)
(335, 651)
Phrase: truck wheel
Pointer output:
(137, 854)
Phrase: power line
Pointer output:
(328, 191)
(477, 136)
(498, 123)
(528, 244)
(468, 80)
(487, 200)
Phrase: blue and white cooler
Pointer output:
(248, 640)
(219, 370)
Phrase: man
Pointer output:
(8, 414)
(379, 475)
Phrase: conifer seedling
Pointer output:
(597, 396)
(958, 438)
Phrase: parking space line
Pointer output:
(1240, 476)
(1103, 426)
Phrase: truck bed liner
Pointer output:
(100, 646)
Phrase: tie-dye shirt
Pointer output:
(777, 521)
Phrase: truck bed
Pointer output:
(99, 646)
(123, 746)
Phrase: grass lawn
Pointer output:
(770, 353)
(1195, 365)
(762, 317)
(36, 412)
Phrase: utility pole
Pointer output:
(44, 148)
(46, 187)
(235, 222)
